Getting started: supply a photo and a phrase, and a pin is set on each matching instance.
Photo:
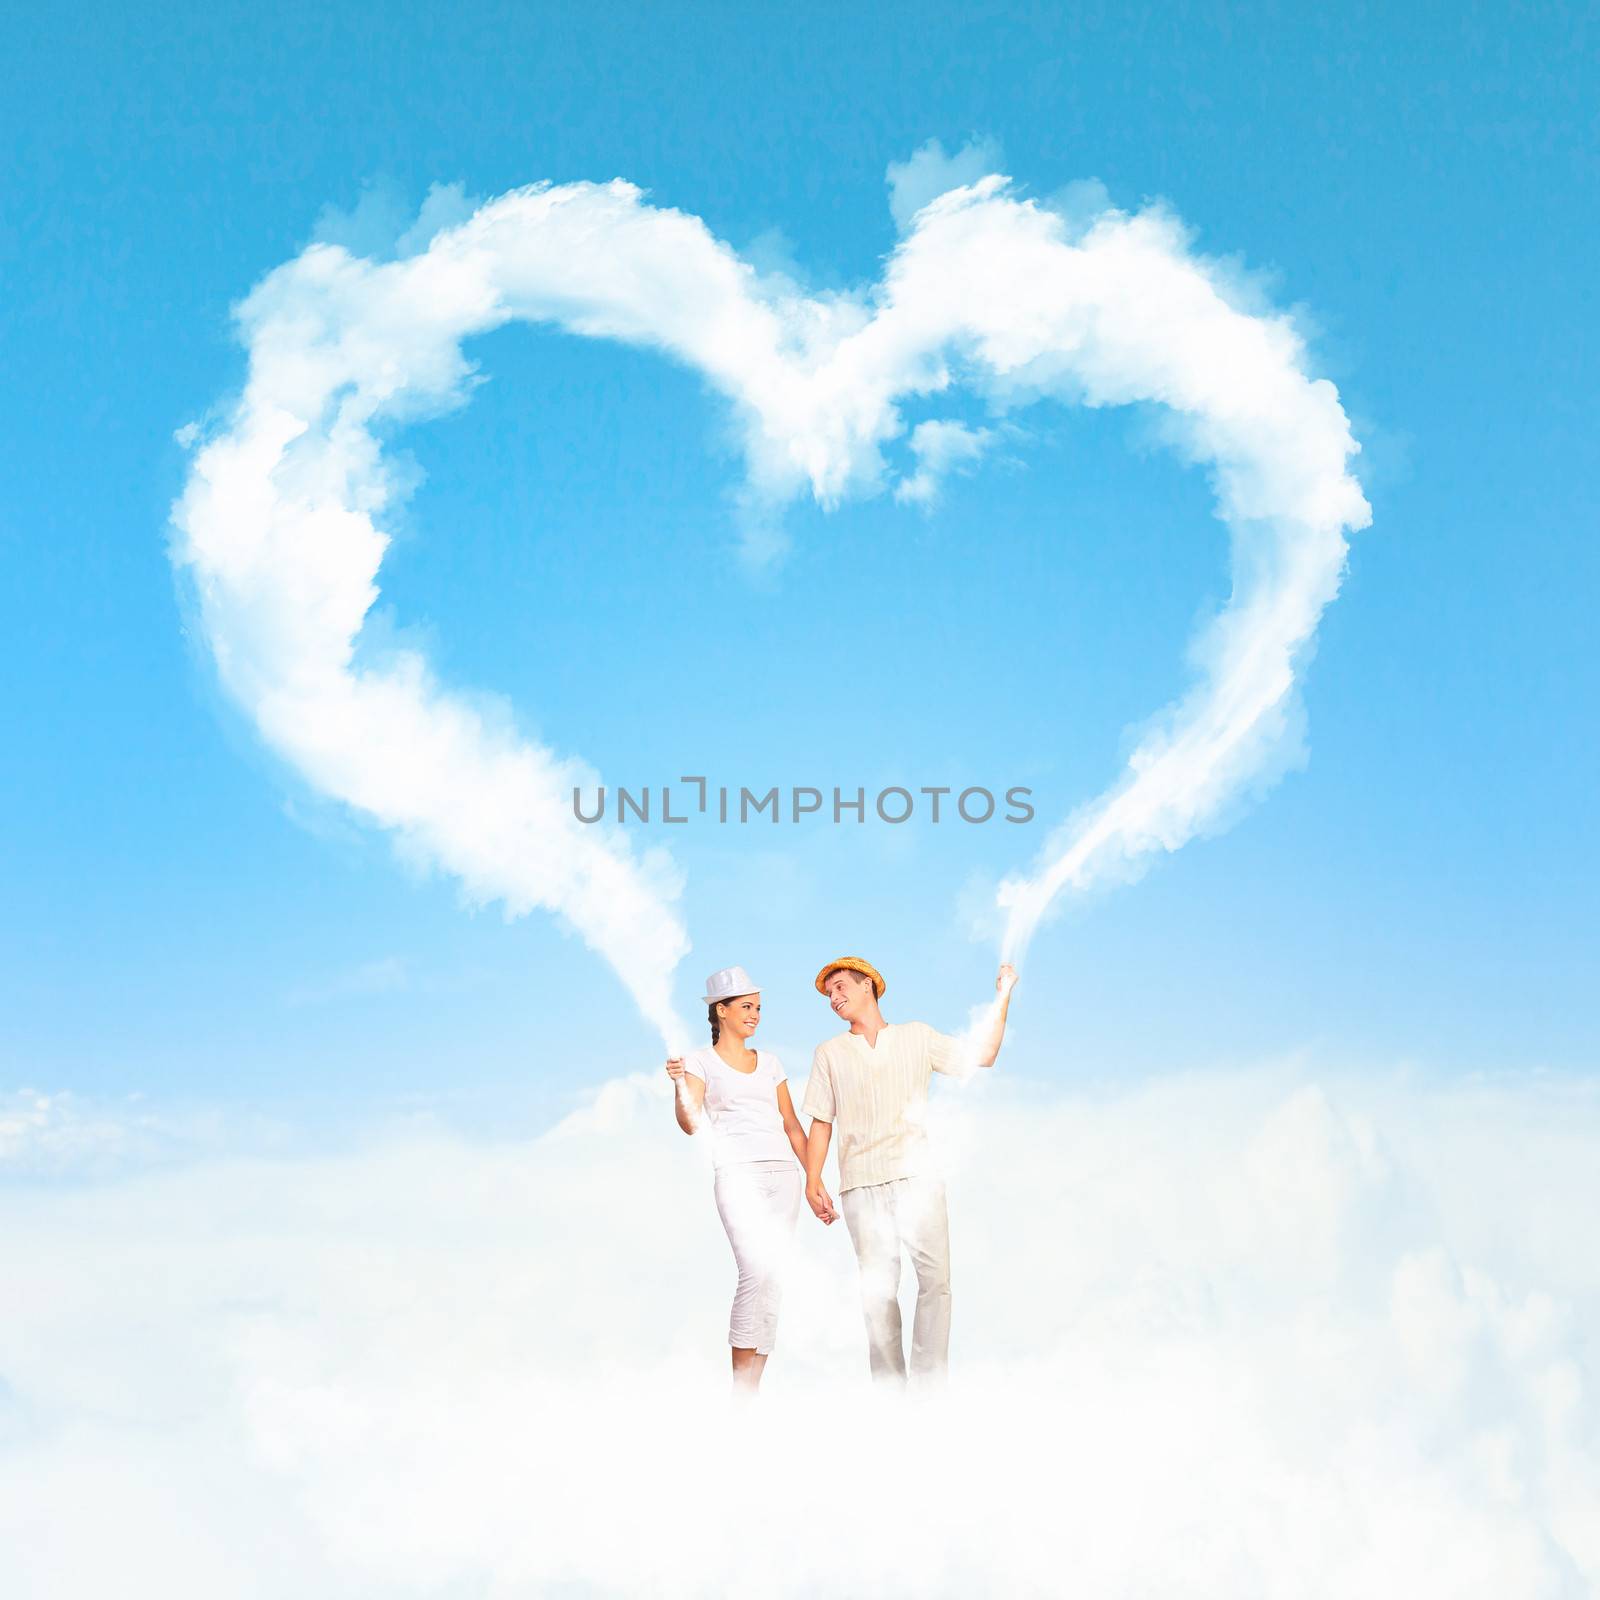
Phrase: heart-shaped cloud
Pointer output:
(280, 522)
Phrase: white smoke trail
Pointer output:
(280, 524)
(279, 527)
(1146, 322)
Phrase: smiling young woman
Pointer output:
(739, 1097)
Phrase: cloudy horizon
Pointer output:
(1222, 1332)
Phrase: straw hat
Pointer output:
(729, 982)
(853, 964)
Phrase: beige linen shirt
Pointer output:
(876, 1097)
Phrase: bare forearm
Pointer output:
(997, 1033)
(797, 1140)
(690, 1116)
(815, 1155)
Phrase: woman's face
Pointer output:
(740, 1015)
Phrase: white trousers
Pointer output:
(883, 1218)
(758, 1202)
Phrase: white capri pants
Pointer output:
(758, 1202)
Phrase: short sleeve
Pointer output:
(693, 1064)
(819, 1089)
(778, 1074)
(943, 1051)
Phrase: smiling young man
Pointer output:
(871, 1084)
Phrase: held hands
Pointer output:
(818, 1199)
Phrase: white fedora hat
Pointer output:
(726, 984)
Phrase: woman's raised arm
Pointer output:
(689, 1101)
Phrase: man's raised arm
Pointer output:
(1004, 983)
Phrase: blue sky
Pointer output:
(183, 920)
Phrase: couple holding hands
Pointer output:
(870, 1084)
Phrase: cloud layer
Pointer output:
(281, 526)
(1258, 1334)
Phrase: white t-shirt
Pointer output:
(743, 1107)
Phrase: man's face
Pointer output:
(848, 993)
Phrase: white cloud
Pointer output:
(447, 206)
(928, 173)
(1264, 1333)
(381, 225)
(281, 526)
(43, 1133)
(940, 448)
(35, 1126)
(369, 227)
